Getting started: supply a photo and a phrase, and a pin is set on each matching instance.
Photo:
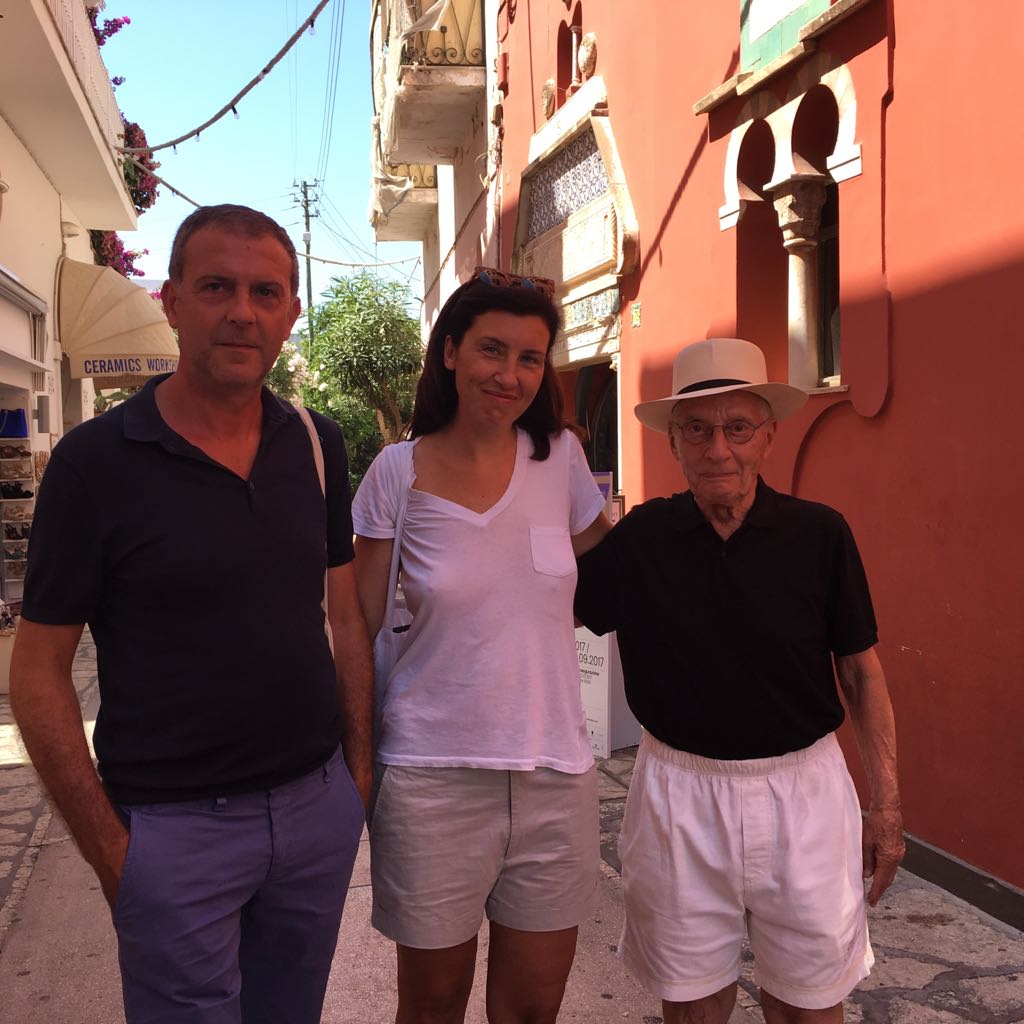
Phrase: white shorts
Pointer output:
(772, 845)
(448, 845)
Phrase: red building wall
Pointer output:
(922, 452)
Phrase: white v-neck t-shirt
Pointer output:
(489, 676)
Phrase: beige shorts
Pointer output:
(448, 845)
(771, 845)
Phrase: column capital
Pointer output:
(798, 203)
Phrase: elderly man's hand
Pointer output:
(883, 848)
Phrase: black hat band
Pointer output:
(703, 385)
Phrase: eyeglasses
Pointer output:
(499, 279)
(734, 432)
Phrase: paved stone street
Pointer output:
(939, 961)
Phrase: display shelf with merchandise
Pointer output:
(15, 513)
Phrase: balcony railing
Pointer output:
(429, 77)
(72, 23)
(421, 175)
(455, 41)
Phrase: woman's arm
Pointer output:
(373, 568)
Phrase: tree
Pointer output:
(358, 426)
(366, 346)
(289, 375)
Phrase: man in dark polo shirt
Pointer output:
(189, 529)
(736, 607)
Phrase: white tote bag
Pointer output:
(393, 634)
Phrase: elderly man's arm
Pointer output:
(353, 662)
(863, 684)
(46, 708)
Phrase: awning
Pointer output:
(110, 329)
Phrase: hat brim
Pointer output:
(784, 400)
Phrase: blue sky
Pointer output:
(182, 60)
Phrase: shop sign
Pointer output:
(119, 365)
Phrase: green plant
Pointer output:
(358, 424)
(107, 246)
(138, 176)
(104, 401)
(368, 347)
(109, 251)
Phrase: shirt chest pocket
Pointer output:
(552, 550)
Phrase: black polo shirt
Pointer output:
(202, 591)
(727, 645)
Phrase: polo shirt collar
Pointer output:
(143, 422)
(763, 513)
(765, 510)
(685, 513)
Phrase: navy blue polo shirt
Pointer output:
(727, 645)
(203, 593)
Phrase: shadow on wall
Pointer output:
(650, 247)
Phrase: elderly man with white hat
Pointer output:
(736, 607)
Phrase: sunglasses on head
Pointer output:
(499, 279)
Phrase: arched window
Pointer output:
(761, 304)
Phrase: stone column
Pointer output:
(798, 203)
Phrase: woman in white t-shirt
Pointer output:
(487, 802)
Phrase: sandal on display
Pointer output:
(15, 490)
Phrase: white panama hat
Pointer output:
(717, 366)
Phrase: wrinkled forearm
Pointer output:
(867, 697)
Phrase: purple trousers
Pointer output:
(228, 909)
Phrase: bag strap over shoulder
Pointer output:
(314, 439)
(318, 458)
(406, 477)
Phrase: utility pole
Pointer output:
(309, 280)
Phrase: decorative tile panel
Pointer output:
(589, 344)
(591, 307)
(573, 177)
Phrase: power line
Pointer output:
(231, 104)
(319, 259)
(327, 199)
(331, 90)
(341, 263)
(335, 229)
(341, 241)
(290, 14)
(157, 178)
